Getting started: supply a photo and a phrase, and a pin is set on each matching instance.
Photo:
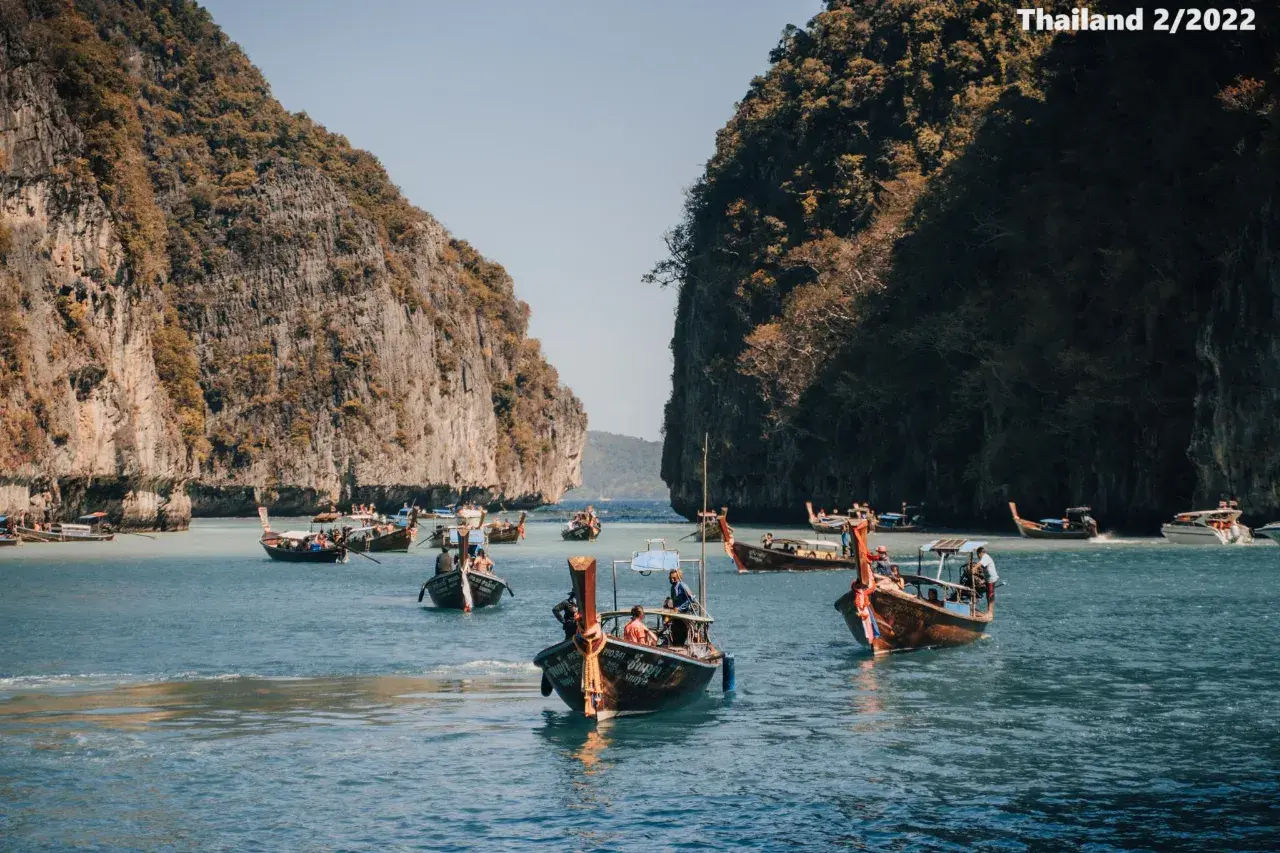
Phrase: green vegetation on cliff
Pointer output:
(209, 181)
(620, 467)
(936, 258)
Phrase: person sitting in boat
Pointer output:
(481, 563)
(881, 555)
(933, 597)
(766, 541)
(987, 571)
(895, 575)
(566, 613)
(444, 560)
(638, 632)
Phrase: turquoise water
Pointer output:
(185, 693)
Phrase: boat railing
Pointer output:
(921, 581)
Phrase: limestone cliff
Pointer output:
(207, 302)
(940, 260)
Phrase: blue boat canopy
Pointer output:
(891, 516)
(655, 560)
(474, 537)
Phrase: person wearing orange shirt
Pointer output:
(636, 631)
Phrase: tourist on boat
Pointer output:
(444, 560)
(896, 576)
(566, 613)
(481, 563)
(681, 597)
(638, 632)
(766, 541)
(846, 538)
(987, 566)
(933, 597)
(881, 555)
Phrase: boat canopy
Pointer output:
(474, 537)
(1205, 514)
(891, 516)
(297, 535)
(655, 560)
(815, 544)
(952, 546)
(92, 517)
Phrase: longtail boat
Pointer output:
(505, 532)
(383, 537)
(602, 675)
(327, 517)
(1076, 523)
(299, 546)
(583, 527)
(709, 525)
(448, 533)
(923, 612)
(89, 528)
(8, 532)
(907, 521)
(784, 554)
(825, 522)
(464, 588)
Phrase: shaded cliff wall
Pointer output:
(935, 261)
(207, 298)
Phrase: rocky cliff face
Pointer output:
(935, 259)
(207, 302)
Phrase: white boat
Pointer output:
(1207, 527)
(1271, 531)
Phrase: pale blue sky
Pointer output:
(555, 136)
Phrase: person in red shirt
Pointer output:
(636, 631)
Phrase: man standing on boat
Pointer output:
(681, 596)
(988, 568)
(566, 613)
(444, 560)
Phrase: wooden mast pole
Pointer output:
(702, 526)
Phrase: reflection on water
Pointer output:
(245, 706)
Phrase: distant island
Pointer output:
(619, 467)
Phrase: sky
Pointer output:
(555, 136)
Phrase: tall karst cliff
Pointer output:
(207, 301)
(937, 259)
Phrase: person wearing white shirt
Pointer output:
(988, 568)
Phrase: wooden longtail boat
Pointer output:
(484, 589)
(603, 676)
(443, 533)
(505, 532)
(90, 530)
(464, 588)
(581, 529)
(900, 522)
(8, 532)
(328, 517)
(295, 546)
(709, 526)
(385, 537)
(925, 612)
(825, 523)
(784, 554)
(1077, 524)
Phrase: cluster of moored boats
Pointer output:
(93, 527)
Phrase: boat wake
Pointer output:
(485, 668)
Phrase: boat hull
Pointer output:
(636, 679)
(397, 540)
(905, 622)
(504, 537)
(328, 555)
(446, 590)
(1272, 533)
(752, 558)
(27, 534)
(1186, 535)
(580, 534)
(9, 540)
(1030, 531)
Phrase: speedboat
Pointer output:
(1271, 531)
(1207, 527)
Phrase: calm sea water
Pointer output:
(185, 693)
